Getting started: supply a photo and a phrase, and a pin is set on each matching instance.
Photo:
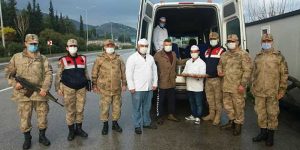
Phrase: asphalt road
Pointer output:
(182, 136)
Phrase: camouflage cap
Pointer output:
(72, 42)
(268, 37)
(213, 35)
(232, 37)
(31, 38)
(109, 41)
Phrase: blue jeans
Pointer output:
(196, 99)
(141, 102)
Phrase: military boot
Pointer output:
(116, 127)
(79, 130)
(237, 130)
(210, 116)
(71, 134)
(105, 128)
(262, 136)
(27, 142)
(229, 125)
(43, 139)
(270, 138)
(217, 119)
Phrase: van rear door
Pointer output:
(233, 21)
(145, 20)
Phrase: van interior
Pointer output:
(187, 24)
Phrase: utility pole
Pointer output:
(2, 28)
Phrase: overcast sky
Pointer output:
(101, 11)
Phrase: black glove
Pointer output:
(89, 85)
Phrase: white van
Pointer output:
(192, 20)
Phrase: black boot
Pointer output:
(79, 130)
(270, 138)
(105, 128)
(71, 135)
(116, 127)
(229, 125)
(27, 142)
(43, 139)
(237, 129)
(262, 136)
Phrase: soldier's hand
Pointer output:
(60, 92)
(95, 89)
(241, 89)
(280, 96)
(124, 88)
(43, 93)
(18, 86)
(132, 91)
(221, 74)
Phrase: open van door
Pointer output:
(145, 20)
(233, 21)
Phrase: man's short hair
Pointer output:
(167, 40)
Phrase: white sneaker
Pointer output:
(197, 121)
(191, 117)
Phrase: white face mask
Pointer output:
(213, 43)
(168, 48)
(73, 50)
(231, 46)
(195, 55)
(109, 50)
(143, 50)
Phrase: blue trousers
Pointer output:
(141, 102)
(196, 99)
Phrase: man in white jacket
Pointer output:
(141, 75)
(195, 71)
(160, 34)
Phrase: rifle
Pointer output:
(33, 88)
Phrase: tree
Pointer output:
(9, 12)
(258, 10)
(51, 16)
(70, 27)
(81, 31)
(22, 23)
(9, 33)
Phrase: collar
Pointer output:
(26, 54)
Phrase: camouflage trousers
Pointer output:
(267, 109)
(214, 95)
(74, 101)
(234, 105)
(25, 109)
(105, 102)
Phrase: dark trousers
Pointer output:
(166, 96)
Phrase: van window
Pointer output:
(144, 33)
(229, 10)
(149, 11)
(233, 27)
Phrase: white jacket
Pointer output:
(159, 35)
(141, 73)
(196, 67)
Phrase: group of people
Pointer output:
(223, 75)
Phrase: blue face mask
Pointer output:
(162, 25)
(32, 48)
(266, 46)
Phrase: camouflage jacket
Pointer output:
(270, 74)
(108, 74)
(37, 71)
(236, 67)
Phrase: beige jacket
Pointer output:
(37, 71)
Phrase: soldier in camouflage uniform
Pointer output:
(269, 84)
(71, 81)
(213, 88)
(36, 69)
(235, 68)
(109, 80)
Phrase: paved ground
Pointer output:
(182, 136)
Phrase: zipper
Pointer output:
(111, 75)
